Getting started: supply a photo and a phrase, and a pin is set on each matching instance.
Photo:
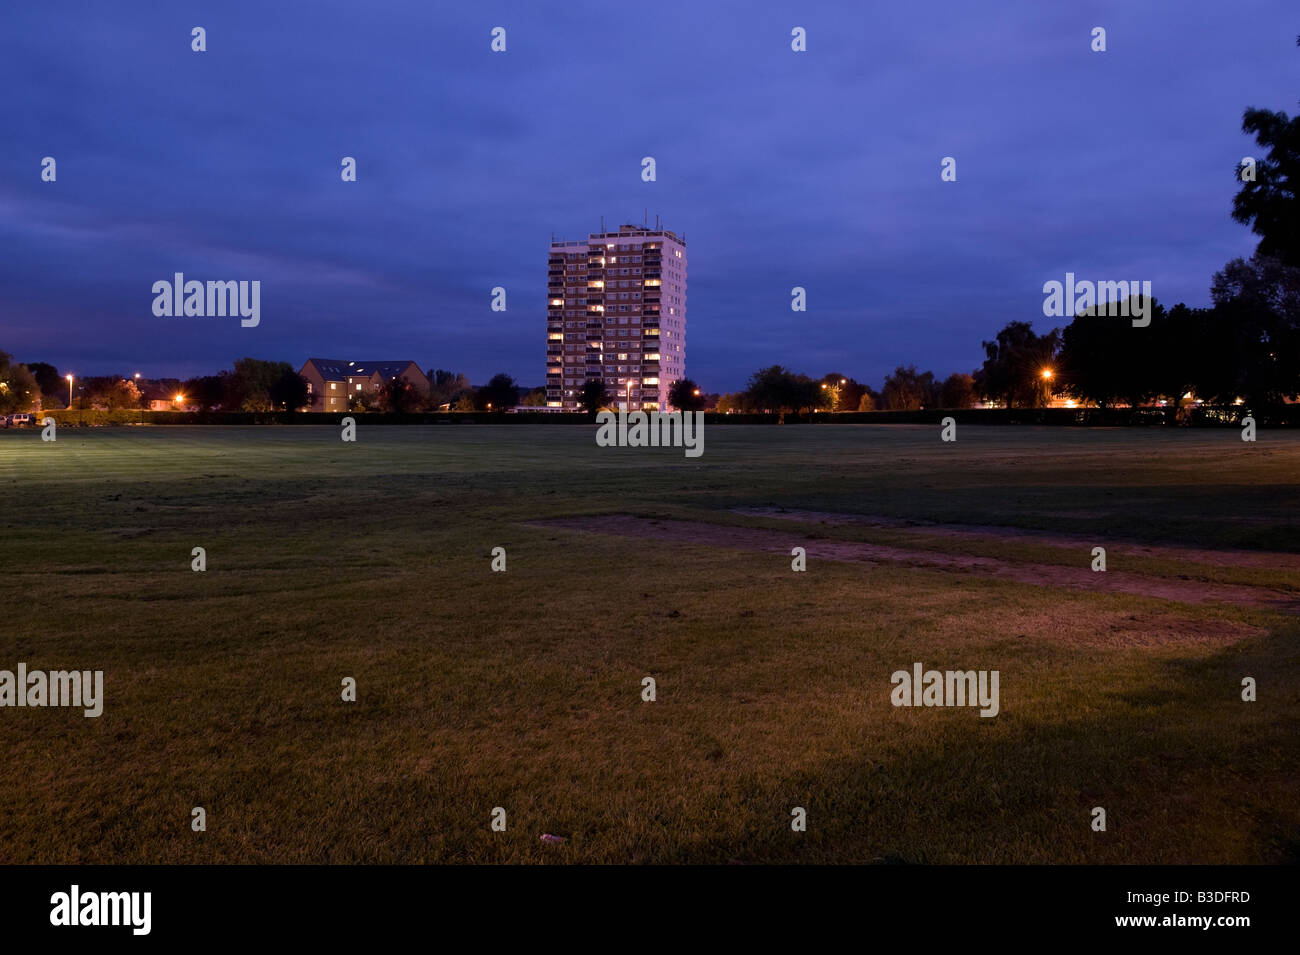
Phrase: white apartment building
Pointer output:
(616, 311)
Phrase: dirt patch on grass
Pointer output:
(1272, 560)
(1042, 575)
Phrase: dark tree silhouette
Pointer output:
(1270, 204)
(399, 395)
(957, 391)
(290, 390)
(685, 395)
(501, 393)
(778, 389)
(1012, 372)
(1253, 348)
(18, 388)
(1105, 360)
(593, 396)
(909, 390)
(48, 380)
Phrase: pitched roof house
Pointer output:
(331, 383)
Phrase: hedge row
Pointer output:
(94, 419)
(1283, 416)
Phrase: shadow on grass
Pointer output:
(1187, 772)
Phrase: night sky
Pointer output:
(818, 169)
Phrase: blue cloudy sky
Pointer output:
(818, 169)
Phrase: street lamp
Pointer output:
(69, 392)
(835, 393)
(1047, 388)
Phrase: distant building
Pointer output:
(159, 394)
(616, 311)
(332, 383)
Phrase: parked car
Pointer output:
(18, 420)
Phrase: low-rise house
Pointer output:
(333, 383)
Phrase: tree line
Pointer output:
(253, 384)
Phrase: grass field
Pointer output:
(523, 689)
